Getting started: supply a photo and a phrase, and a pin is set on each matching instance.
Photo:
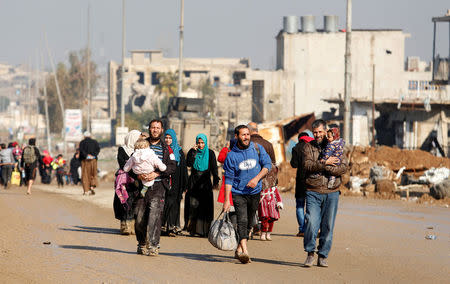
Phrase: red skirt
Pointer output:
(268, 206)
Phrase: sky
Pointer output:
(232, 28)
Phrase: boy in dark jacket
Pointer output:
(300, 187)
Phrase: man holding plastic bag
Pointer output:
(244, 167)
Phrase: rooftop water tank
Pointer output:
(308, 24)
(330, 23)
(290, 24)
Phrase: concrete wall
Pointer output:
(314, 66)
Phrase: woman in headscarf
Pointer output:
(171, 214)
(201, 204)
(126, 213)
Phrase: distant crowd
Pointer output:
(20, 164)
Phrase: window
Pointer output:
(155, 78)
(412, 85)
(141, 77)
(234, 94)
(237, 77)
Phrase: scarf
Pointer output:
(174, 146)
(202, 158)
(130, 140)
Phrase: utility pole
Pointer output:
(180, 60)
(47, 122)
(348, 73)
(88, 67)
(122, 87)
(373, 105)
(61, 102)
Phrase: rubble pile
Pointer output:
(388, 172)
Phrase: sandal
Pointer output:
(244, 258)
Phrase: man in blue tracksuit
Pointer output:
(244, 167)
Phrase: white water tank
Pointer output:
(330, 23)
(308, 24)
(290, 24)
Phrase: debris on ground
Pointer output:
(435, 175)
(441, 190)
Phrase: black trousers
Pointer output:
(6, 174)
(246, 207)
(148, 216)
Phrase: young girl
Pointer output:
(144, 161)
(335, 148)
(269, 205)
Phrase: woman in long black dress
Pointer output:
(201, 203)
(126, 213)
(171, 215)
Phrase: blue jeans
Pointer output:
(300, 210)
(320, 213)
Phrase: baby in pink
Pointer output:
(144, 161)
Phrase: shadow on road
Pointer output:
(97, 230)
(221, 258)
(284, 235)
(95, 249)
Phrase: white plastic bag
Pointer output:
(222, 234)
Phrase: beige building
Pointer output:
(312, 61)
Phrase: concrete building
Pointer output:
(242, 94)
(312, 61)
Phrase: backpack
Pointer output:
(29, 155)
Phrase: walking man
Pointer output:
(300, 187)
(89, 150)
(256, 138)
(244, 167)
(7, 161)
(321, 201)
(31, 159)
(149, 209)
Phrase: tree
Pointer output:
(209, 96)
(72, 83)
(166, 88)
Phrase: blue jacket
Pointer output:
(242, 165)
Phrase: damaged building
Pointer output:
(394, 102)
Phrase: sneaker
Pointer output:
(153, 251)
(263, 236)
(322, 261)
(309, 260)
(268, 237)
(142, 250)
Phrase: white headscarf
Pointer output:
(130, 140)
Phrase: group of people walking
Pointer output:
(153, 176)
(20, 165)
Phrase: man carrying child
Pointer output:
(321, 199)
(150, 207)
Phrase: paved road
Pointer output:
(375, 241)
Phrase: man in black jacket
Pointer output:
(300, 188)
(89, 150)
(149, 208)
